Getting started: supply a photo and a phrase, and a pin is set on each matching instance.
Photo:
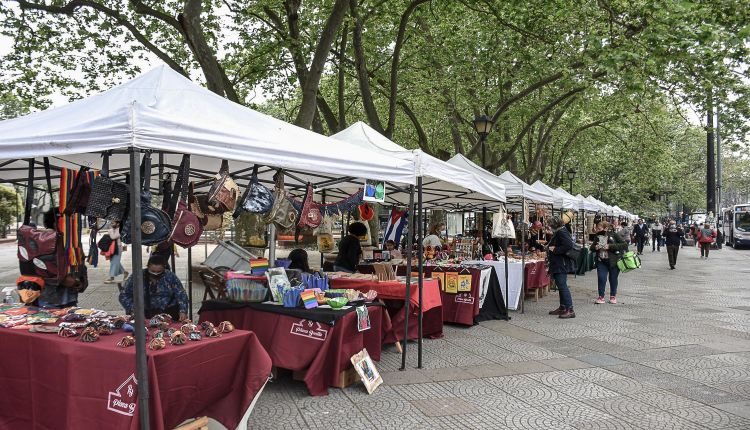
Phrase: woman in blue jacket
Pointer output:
(560, 265)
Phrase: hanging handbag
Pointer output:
(502, 227)
(224, 191)
(108, 199)
(257, 199)
(78, 200)
(309, 216)
(210, 217)
(155, 223)
(282, 212)
(41, 251)
(186, 227)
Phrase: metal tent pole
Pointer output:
(420, 281)
(505, 258)
(523, 256)
(140, 329)
(190, 282)
(410, 250)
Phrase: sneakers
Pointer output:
(568, 314)
(557, 311)
(613, 300)
(110, 281)
(599, 300)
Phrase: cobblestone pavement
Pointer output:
(673, 354)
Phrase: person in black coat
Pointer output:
(673, 235)
(560, 265)
(641, 233)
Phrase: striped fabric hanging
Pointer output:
(71, 226)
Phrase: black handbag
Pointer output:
(257, 198)
(155, 223)
(108, 199)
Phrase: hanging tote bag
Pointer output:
(502, 227)
(155, 223)
(108, 199)
(257, 198)
(186, 227)
(629, 261)
(224, 191)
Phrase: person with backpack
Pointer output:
(673, 235)
(609, 247)
(560, 264)
(641, 232)
(706, 237)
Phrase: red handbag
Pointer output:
(310, 215)
(186, 226)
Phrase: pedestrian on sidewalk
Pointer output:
(115, 265)
(641, 233)
(560, 265)
(609, 247)
(706, 237)
(656, 229)
(673, 235)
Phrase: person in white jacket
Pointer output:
(115, 266)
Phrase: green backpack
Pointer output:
(629, 261)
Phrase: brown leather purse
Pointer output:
(210, 217)
(224, 191)
(282, 212)
(186, 226)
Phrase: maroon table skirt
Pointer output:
(49, 382)
(324, 351)
(536, 275)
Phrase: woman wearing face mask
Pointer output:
(560, 265)
(609, 247)
(163, 291)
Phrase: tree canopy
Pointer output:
(602, 85)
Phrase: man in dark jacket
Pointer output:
(641, 232)
(673, 235)
(560, 265)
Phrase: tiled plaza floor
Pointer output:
(674, 354)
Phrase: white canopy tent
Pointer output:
(588, 205)
(162, 110)
(515, 187)
(561, 200)
(444, 185)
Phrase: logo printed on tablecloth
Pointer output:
(310, 329)
(465, 298)
(124, 402)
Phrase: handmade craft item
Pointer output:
(126, 342)
(226, 327)
(105, 330)
(177, 338)
(195, 335)
(212, 331)
(157, 343)
(67, 332)
(89, 335)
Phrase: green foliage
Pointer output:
(10, 204)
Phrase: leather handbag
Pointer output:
(224, 191)
(210, 217)
(108, 199)
(186, 227)
(257, 199)
(78, 200)
(155, 223)
(309, 216)
(282, 212)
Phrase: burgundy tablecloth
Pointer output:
(393, 294)
(324, 351)
(536, 275)
(49, 382)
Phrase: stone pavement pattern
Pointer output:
(674, 354)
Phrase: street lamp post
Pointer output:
(571, 175)
(483, 126)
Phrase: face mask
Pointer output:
(155, 274)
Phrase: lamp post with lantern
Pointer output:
(571, 175)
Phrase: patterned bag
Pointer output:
(186, 227)
(257, 198)
(210, 217)
(224, 191)
(155, 223)
(78, 200)
(282, 212)
(108, 199)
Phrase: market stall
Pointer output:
(162, 113)
(51, 381)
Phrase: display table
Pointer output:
(303, 344)
(49, 382)
(515, 277)
(393, 294)
(536, 275)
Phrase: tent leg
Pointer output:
(523, 258)
(420, 259)
(507, 294)
(140, 329)
(272, 245)
(190, 283)
(410, 253)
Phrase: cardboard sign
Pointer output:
(464, 283)
(366, 369)
(451, 282)
(440, 276)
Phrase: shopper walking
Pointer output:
(609, 247)
(706, 237)
(656, 229)
(115, 265)
(673, 235)
(641, 233)
(560, 265)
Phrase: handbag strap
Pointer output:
(146, 172)
(49, 181)
(181, 185)
(105, 163)
(224, 169)
(279, 179)
(29, 194)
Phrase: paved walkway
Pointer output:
(674, 354)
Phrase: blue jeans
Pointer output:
(603, 270)
(561, 280)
